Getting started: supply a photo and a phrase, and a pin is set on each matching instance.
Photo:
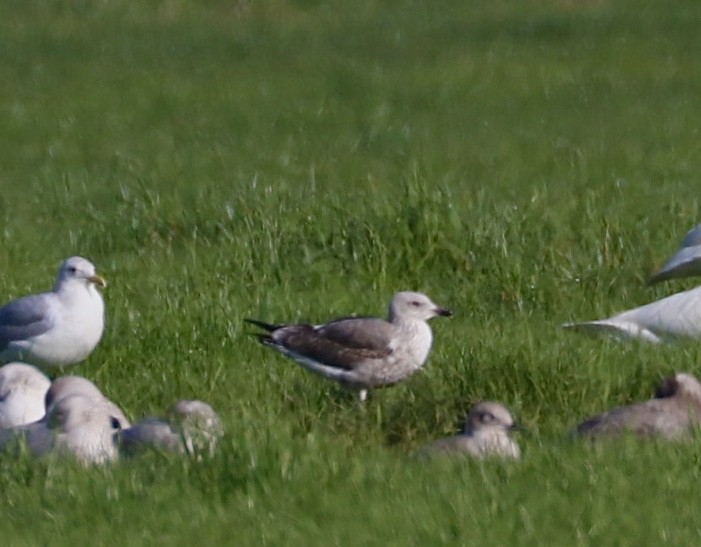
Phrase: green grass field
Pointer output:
(525, 163)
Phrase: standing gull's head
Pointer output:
(416, 306)
(78, 270)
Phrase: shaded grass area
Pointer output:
(524, 163)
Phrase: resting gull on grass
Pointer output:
(361, 352)
(66, 386)
(56, 328)
(686, 262)
(672, 414)
(486, 435)
(75, 426)
(192, 427)
(22, 391)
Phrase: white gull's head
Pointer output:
(78, 270)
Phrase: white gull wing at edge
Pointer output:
(676, 316)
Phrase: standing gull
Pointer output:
(486, 434)
(22, 391)
(56, 328)
(686, 262)
(672, 414)
(193, 427)
(362, 352)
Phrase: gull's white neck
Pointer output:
(417, 336)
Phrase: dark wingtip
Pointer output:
(262, 324)
(668, 387)
(657, 278)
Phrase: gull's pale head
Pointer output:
(84, 429)
(415, 305)
(65, 386)
(489, 416)
(79, 269)
(198, 423)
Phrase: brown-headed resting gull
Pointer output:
(686, 262)
(486, 435)
(672, 414)
(22, 391)
(56, 328)
(361, 352)
(192, 427)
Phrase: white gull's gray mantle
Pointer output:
(362, 352)
(687, 260)
(56, 328)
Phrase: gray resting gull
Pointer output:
(486, 435)
(672, 414)
(56, 328)
(22, 391)
(686, 262)
(362, 352)
(192, 427)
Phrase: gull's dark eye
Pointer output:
(72, 269)
(415, 303)
(116, 425)
(487, 417)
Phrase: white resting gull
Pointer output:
(686, 262)
(362, 352)
(75, 426)
(486, 435)
(56, 328)
(22, 391)
(66, 386)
